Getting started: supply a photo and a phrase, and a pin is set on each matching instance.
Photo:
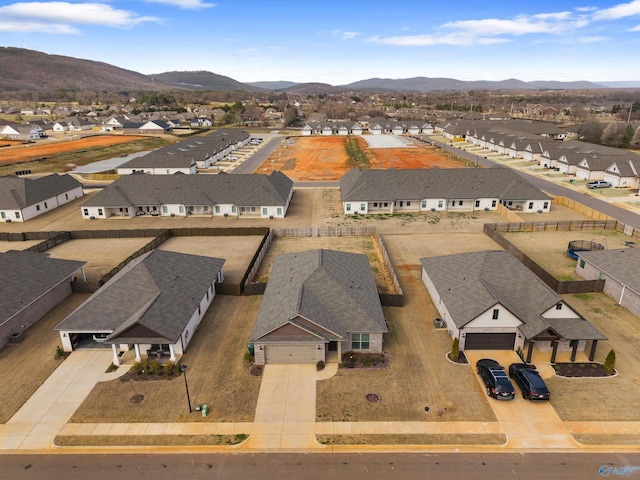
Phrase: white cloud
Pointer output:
(635, 29)
(344, 35)
(619, 11)
(591, 39)
(426, 40)
(184, 4)
(59, 17)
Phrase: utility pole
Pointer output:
(629, 117)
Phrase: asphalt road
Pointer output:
(255, 160)
(620, 214)
(525, 466)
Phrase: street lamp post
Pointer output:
(183, 369)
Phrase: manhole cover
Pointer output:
(137, 399)
(373, 397)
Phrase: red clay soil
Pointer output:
(31, 151)
(326, 159)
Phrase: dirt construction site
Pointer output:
(327, 158)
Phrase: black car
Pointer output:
(529, 381)
(495, 379)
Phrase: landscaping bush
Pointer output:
(171, 368)
(59, 351)
(610, 362)
(320, 365)
(455, 349)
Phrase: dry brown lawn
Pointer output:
(237, 251)
(609, 398)
(146, 440)
(216, 376)
(549, 249)
(364, 245)
(6, 246)
(24, 367)
(424, 439)
(101, 254)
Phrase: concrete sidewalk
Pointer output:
(36, 424)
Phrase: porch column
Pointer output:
(554, 351)
(136, 347)
(574, 349)
(116, 359)
(84, 276)
(592, 353)
(530, 350)
(172, 352)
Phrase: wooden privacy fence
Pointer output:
(493, 230)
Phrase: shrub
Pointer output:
(112, 368)
(140, 366)
(154, 367)
(610, 362)
(59, 351)
(367, 360)
(171, 368)
(455, 349)
(320, 365)
(247, 358)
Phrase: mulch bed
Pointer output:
(582, 370)
(365, 360)
(146, 377)
(462, 359)
(256, 370)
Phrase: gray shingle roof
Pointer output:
(26, 276)
(17, 192)
(621, 264)
(455, 183)
(332, 289)
(241, 190)
(472, 283)
(156, 293)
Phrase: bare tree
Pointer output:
(612, 135)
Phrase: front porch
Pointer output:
(160, 352)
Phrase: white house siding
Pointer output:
(436, 204)
(93, 212)
(565, 312)
(196, 318)
(614, 180)
(563, 346)
(352, 207)
(612, 287)
(406, 206)
(11, 215)
(439, 304)
(220, 210)
(44, 206)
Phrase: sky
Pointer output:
(339, 42)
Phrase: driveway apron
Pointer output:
(286, 409)
(36, 424)
(526, 424)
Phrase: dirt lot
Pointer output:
(101, 254)
(32, 151)
(365, 245)
(6, 246)
(325, 158)
(237, 251)
(217, 376)
(26, 365)
(549, 249)
(610, 398)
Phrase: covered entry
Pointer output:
(290, 354)
(489, 341)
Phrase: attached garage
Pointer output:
(290, 354)
(489, 341)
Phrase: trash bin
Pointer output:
(251, 349)
(205, 408)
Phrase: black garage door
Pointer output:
(489, 341)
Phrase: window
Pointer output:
(581, 263)
(181, 209)
(191, 208)
(530, 205)
(233, 209)
(168, 171)
(66, 196)
(386, 204)
(493, 203)
(279, 211)
(45, 205)
(558, 306)
(360, 341)
(217, 208)
(477, 203)
(496, 312)
(460, 202)
(100, 212)
(3, 215)
(37, 208)
(546, 205)
(440, 203)
(510, 203)
(264, 211)
(424, 204)
(206, 208)
(348, 207)
(165, 209)
(408, 203)
(363, 207)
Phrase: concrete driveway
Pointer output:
(526, 424)
(36, 424)
(286, 410)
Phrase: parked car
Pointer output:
(529, 381)
(599, 184)
(495, 379)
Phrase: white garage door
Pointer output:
(290, 354)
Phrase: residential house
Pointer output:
(32, 285)
(22, 199)
(453, 190)
(24, 132)
(316, 302)
(619, 270)
(240, 196)
(153, 305)
(491, 301)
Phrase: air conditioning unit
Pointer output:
(439, 323)
(226, 214)
(270, 217)
(8, 220)
(486, 209)
(92, 217)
